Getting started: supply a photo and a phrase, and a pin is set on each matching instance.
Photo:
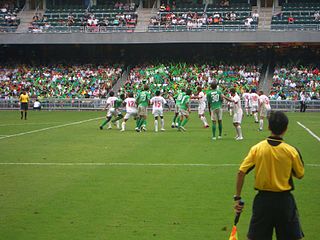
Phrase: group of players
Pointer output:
(126, 107)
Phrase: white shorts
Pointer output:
(216, 114)
(264, 112)
(254, 108)
(157, 112)
(237, 117)
(112, 112)
(130, 114)
(246, 104)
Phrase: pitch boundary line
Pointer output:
(132, 164)
(23, 124)
(309, 131)
(49, 128)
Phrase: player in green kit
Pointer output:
(178, 97)
(184, 111)
(215, 98)
(143, 99)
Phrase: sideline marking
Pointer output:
(132, 164)
(309, 131)
(49, 128)
(23, 124)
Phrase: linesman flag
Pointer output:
(234, 233)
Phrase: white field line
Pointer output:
(130, 164)
(23, 124)
(309, 131)
(49, 128)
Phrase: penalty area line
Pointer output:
(131, 164)
(309, 131)
(49, 128)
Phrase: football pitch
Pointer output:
(63, 178)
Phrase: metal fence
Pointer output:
(98, 104)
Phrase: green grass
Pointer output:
(135, 202)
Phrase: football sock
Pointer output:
(162, 123)
(214, 129)
(123, 126)
(261, 124)
(204, 120)
(179, 122)
(104, 123)
(138, 122)
(156, 125)
(255, 117)
(247, 111)
(21, 114)
(174, 119)
(239, 131)
(220, 128)
(25, 115)
(185, 122)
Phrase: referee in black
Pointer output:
(275, 163)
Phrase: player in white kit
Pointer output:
(112, 111)
(264, 108)
(237, 113)
(247, 102)
(255, 104)
(157, 103)
(202, 98)
(131, 110)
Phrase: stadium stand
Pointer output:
(297, 15)
(9, 19)
(171, 77)
(59, 81)
(290, 80)
(221, 16)
(115, 17)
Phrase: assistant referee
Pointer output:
(24, 101)
(275, 163)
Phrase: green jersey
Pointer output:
(118, 103)
(214, 99)
(184, 102)
(143, 99)
(179, 97)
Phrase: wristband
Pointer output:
(236, 198)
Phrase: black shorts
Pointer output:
(277, 211)
(24, 106)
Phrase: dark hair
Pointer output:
(214, 85)
(122, 96)
(188, 92)
(146, 87)
(278, 122)
(233, 91)
(130, 94)
(111, 93)
(158, 93)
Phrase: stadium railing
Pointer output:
(98, 104)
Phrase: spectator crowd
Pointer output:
(59, 81)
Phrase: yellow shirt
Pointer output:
(24, 98)
(275, 163)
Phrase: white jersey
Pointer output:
(158, 102)
(131, 105)
(236, 104)
(111, 101)
(247, 99)
(254, 99)
(264, 102)
(202, 99)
